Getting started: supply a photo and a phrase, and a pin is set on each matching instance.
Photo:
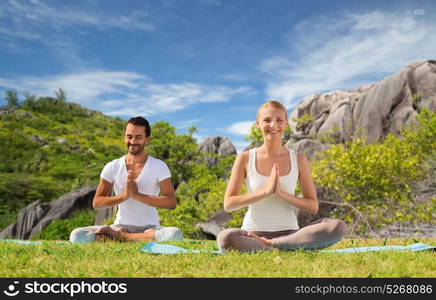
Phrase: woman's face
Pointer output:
(272, 122)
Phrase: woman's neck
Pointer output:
(271, 148)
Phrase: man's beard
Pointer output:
(139, 149)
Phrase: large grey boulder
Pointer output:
(103, 214)
(218, 145)
(37, 215)
(373, 110)
(215, 224)
(307, 146)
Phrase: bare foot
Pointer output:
(100, 237)
(260, 239)
(107, 233)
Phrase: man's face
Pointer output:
(135, 139)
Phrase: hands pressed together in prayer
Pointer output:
(273, 184)
(131, 189)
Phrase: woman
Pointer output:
(271, 173)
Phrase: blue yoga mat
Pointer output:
(156, 248)
(413, 247)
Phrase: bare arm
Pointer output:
(232, 199)
(168, 200)
(309, 202)
(103, 200)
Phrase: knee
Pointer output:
(226, 238)
(168, 234)
(82, 235)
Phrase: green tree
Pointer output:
(29, 99)
(61, 95)
(180, 152)
(11, 98)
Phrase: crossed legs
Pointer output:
(122, 235)
(125, 233)
(317, 235)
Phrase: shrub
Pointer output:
(376, 178)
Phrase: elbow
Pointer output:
(228, 208)
(96, 204)
(173, 204)
(315, 207)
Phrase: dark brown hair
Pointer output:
(140, 121)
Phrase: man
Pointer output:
(137, 179)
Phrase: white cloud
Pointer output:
(236, 77)
(84, 88)
(186, 124)
(23, 22)
(366, 21)
(10, 46)
(200, 138)
(239, 128)
(347, 52)
(39, 14)
(210, 2)
(13, 33)
(124, 93)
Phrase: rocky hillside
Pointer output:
(51, 147)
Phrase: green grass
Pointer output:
(114, 259)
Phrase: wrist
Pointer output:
(264, 193)
(122, 197)
(137, 195)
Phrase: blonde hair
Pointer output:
(274, 104)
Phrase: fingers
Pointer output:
(277, 174)
(130, 178)
(250, 234)
(128, 188)
(263, 240)
(274, 170)
(101, 230)
(277, 187)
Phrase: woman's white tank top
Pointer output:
(270, 213)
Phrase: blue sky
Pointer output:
(207, 63)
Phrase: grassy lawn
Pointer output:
(114, 259)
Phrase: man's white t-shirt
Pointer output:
(131, 211)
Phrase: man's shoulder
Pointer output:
(115, 162)
(156, 161)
